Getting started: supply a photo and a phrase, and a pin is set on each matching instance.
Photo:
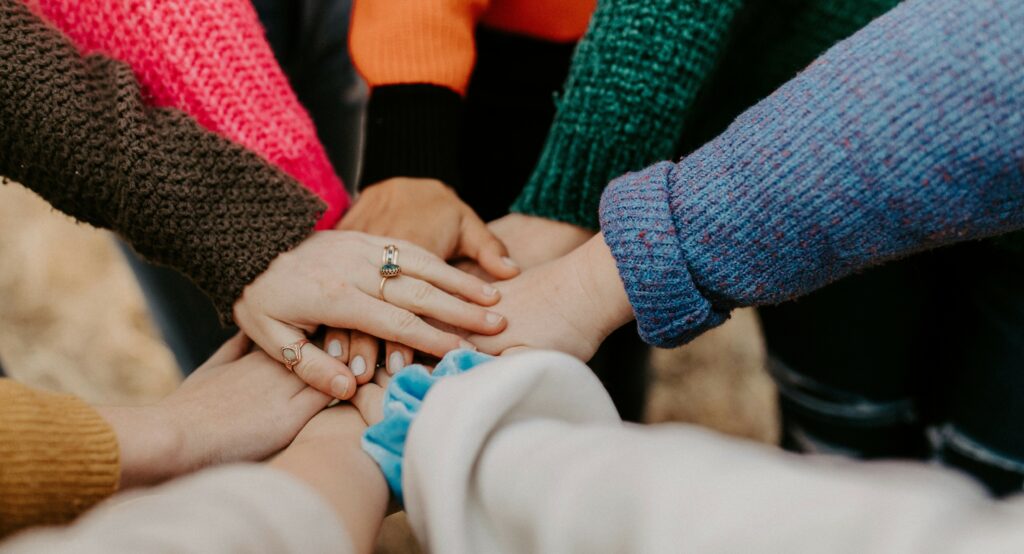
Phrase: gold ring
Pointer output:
(381, 293)
(292, 354)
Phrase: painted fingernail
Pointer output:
(489, 290)
(467, 345)
(358, 366)
(334, 348)
(493, 318)
(339, 386)
(395, 362)
(509, 262)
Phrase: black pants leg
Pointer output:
(917, 359)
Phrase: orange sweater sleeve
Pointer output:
(415, 41)
(58, 457)
(396, 42)
(417, 56)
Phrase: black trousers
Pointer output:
(921, 359)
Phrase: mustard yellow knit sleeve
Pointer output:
(58, 457)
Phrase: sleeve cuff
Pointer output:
(412, 131)
(638, 227)
(385, 440)
(59, 457)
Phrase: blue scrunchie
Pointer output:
(385, 441)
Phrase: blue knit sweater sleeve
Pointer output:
(907, 136)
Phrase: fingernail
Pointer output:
(339, 386)
(467, 345)
(358, 366)
(509, 262)
(395, 362)
(334, 348)
(489, 290)
(493, 318)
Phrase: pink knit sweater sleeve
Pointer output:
(210, 59)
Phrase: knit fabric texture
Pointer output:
(58, 457)
(396, 42)
(769, 43)
(418, 57)
(634, 75)
(646, 70)
(905, 137)
(212, 61)
(76, 131)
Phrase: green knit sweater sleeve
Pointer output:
(634, 76)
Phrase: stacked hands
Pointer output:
(562, 292)
(520, 281)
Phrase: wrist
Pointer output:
(331, 461)
(150, 444)
(602, 288)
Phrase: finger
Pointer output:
(419, 263)
(310, 399)
(397, 357)
(232, 349)
(422, 298)
(382, 379)
(363, 357)
(479, 243)
(369, 400)
(316, 368)
(336, 344)
(388, 322)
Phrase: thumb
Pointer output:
(480, 244)
(235, 347)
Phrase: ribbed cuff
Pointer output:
(384, 441)
(638, 226)
(412, 131)
(59, 457)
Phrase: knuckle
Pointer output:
(422, 293)
(336, 290)
(405, 322)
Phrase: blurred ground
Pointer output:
(71, 316)
(72, 319)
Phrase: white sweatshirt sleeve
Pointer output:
(247, 508)
(526, 454)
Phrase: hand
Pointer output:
(328, 456)
(235, 407)
(333, 279)
(570, 304)
(533, 240)
(429, 214)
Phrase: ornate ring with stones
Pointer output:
(389, 261)
(292, 354)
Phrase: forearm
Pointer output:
(238, 508)
(345, 476)
(149, 445)
(502, 459)
(210, 60)
(75, 131)
(633, 79)
(905, 137)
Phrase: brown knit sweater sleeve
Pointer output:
(76, 131)
(58, 457)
